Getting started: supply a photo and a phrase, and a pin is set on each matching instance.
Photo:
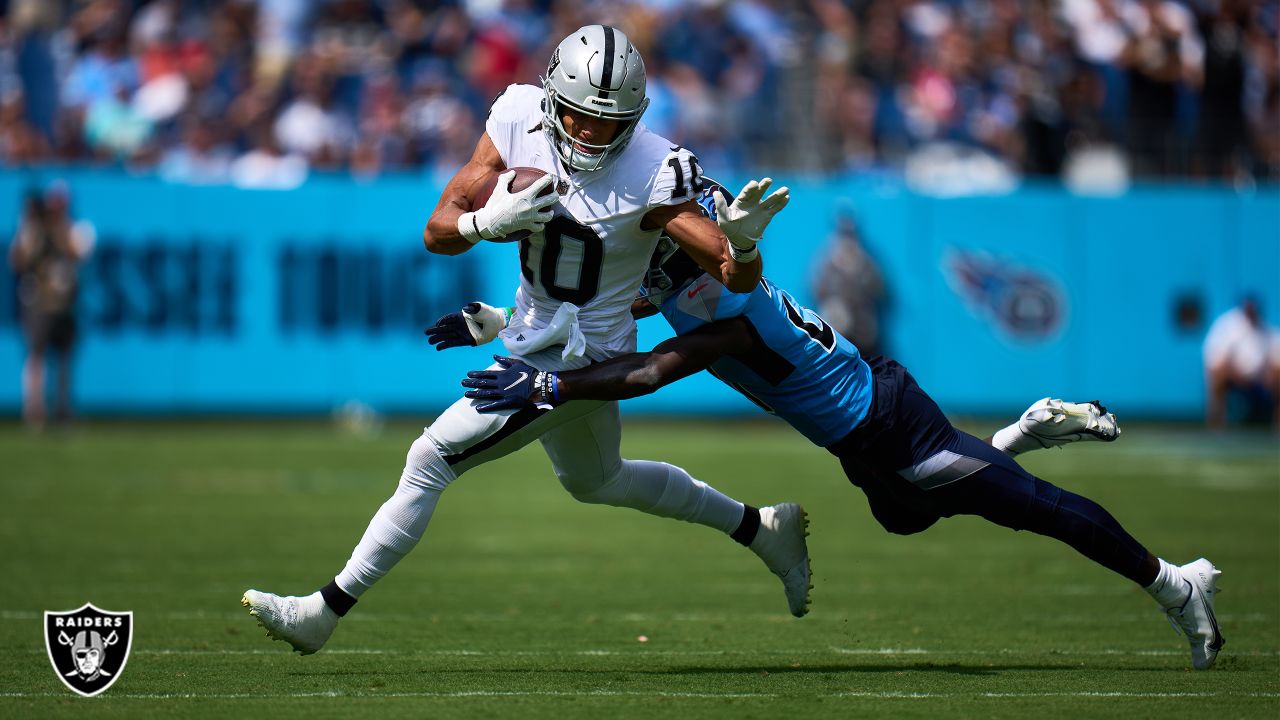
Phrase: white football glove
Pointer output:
(745, 220)
(475, 324)
(508, 212)
(485, 321)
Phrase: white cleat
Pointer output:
(780, 543)
(1194, 619)
(304, 622)
(1054, 423)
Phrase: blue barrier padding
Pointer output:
(221, 300)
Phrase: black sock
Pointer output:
(748, 526)
(337, 600)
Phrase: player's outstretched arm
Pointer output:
(637, 374)
(442, 235)
(516, 385)
(706, 243)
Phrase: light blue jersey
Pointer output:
(800, 369)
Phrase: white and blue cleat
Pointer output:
(1054, 423)
(1194, 619)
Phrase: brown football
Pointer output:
(525, 176)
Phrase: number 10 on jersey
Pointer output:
(575, 283)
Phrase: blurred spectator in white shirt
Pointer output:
(1242, 354)
(200, 159)
(266, 166)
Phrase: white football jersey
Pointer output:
(593, 253)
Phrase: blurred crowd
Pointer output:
(263, 92)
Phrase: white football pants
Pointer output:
(581, 438)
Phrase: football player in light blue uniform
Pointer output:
(798, 367)
(892, 440)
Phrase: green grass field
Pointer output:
(523, 603)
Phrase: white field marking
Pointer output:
(1002, 696)
(892, 651)
(1031, 651)
(23, 615)
(887, 695)
(440, 694)
(459, 617)
(1227, 480)
(885, 652)
(877, 652)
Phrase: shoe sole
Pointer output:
(1047, 442)
(245, 601)
(1102, 410)
(808, 565)
(1208, 594)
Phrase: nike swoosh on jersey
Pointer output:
(698, 289)
(519, 380)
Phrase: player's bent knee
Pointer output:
(909, 528)
(597, 490)
(604, 494)
(588, 482)
(904, 523)
(425, 467)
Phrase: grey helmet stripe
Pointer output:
(606, 74)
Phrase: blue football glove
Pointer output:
(475, 324)
(512, 387)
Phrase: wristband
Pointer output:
(469, 228)
(743, 256)
(546, 383)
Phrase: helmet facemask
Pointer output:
(670, 271)
(597, 72)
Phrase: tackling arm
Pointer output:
(516, 385)
(441, 235)
(639, 374)
(706, 243)
(477, 323)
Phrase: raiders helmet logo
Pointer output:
(88, 647)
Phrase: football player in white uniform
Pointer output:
(618, 188)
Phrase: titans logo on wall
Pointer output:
(88, 647)
(1025, 304)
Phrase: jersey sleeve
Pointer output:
(511, 116)
(679, 179)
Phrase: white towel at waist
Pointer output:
(562, 330)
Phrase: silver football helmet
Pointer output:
(595, 71)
